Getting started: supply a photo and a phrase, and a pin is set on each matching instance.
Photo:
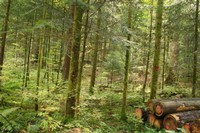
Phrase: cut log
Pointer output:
(158, 123)
(192, 127)
(151, 119)
(173, 121)
(187, 128)
(163, 107)
(155, 121)
(150, 104)
(195, 126)
(141, 113)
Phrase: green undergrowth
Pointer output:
(176, 92)
(99, 113)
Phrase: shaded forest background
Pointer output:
(89, 63)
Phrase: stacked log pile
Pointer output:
(172, 114)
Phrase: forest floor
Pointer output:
(99, 113)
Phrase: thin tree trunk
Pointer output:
(149, 51)
(74, 67)
(53, 67)
(61, 52)
(95, 54)
(3, 43)
(47, 62)
(172, 76)
(195, 50)
(36, 54)
(27, 51)
(60, 62)
(127, 66)
(42, 41)
(83, 55)
(28, 60)
(48, 50)
(173, 63)
(38, 72)
(164, 62)
(104, 48)
(167, 52)
(156, 61)
(25, 62)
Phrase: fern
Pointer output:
(6, 112)
(7, 124)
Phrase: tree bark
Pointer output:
(195, 50)
(177, 120)
(67, 60)
(158, 31)
(74, 65)
(164, 107)
(4, 35)
(192, 127)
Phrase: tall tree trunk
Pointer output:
(195, 50)
(95, 53)
(74, 67)
(158, 31)
(127, 66)
(42, 42)
(3, 43)
(27, 55)
(149, 51)
(48, 48)
(173, 63)
(39, 71)
(60, 62)
(61, 53)
(25, 58)
(83, 54)
(28, 60)
(172, 76)
(67, 60)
